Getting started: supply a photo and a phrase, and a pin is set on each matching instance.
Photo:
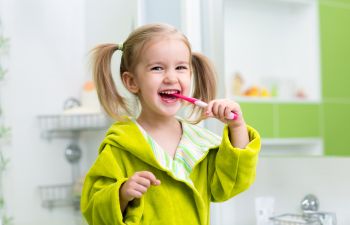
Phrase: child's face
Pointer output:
(164, 67)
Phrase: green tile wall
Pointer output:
(335, 50)
(337, 127)
(335, 61)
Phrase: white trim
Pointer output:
(274, 100)
(292, 146)
(337, 100)
(335, 4)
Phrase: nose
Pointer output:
(170, 76)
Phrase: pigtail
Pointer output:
(108, 95)
(204, 81)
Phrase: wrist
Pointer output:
(123, 196)
(237, 124)
(238, 135)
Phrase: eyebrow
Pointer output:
(159, 62)
(184, 62)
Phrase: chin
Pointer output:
(171, 112)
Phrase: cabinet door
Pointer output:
(299, 121)
(284, 120)
(261, 117)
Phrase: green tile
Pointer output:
(336, 129)
(259, 116)
(335, 49)
(299, 120)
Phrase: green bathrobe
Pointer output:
(222, 172)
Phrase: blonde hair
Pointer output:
(204, 86)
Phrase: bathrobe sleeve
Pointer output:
(100, 196)
(233, 169)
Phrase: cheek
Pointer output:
(186, 85)
(188, 79)
(150, 87)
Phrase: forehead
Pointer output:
(165, 48)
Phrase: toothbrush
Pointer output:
(232, 116)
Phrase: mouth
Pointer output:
(167, 94)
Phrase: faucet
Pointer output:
(310, 204)
(310, 214)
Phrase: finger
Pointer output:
(209, 109)
(221, 112)
(214, 109)
(140, 188)
(144, 182)
(150, 176)
(227, 113)
(236, 109)
(135, 194)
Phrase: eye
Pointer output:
(181, 67)
(157, 68)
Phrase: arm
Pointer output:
(108, 196)
(231, 169)
(239, 135)
(235, 162)
(135, 187)
(100, 200)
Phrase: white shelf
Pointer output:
(273, 44)
(60, 123)
(273, 100)
(293, 2)
(292, 147)
(59, 195)
(63, 122)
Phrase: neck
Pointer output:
(149, 122)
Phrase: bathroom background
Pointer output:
(286, 61)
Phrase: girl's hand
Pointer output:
(137, 185)
(221, 109)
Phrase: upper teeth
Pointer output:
(168, 92)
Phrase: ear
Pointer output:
(130, 83)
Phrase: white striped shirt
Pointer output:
(194, 143)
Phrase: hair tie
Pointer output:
(120, 46)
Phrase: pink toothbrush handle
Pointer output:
(232, 116)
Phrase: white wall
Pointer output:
(166, 11)
(288, 180)
(48, 64)
(45, 68)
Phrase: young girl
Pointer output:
(158, 168)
